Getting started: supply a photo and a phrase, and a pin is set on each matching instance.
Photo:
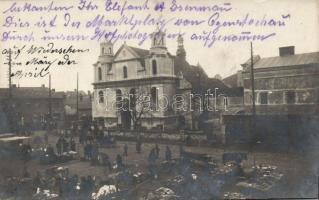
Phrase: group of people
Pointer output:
(65, 185)
(91, 152)
(62, 145)
(154, 155)
(93, 133)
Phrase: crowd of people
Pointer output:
(63, 146)
(90, 140)
(59, 181)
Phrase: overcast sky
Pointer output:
(223, 58)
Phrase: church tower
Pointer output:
(160, 61)
(180, 52)
(158, 44)
(106, 52)
(104, 65)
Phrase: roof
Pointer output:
(287, 60)
(84, 102)
(30, 93)
(196, 75)
(231, 80)
(141, 52)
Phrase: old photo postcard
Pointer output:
(159, 99)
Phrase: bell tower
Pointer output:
(180, 52)
(106, 51)
(158, 44)
(161, 63)
(103, 67)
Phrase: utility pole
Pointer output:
(49, 121)
(253, 121)
(10, 71)
(252, 79)
(50, 98)
(77, 96)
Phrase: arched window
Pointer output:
(110, 50)
(154, 67)
(103, 50)
(99, 73)
(154, 97)
(118, 98)
(124, 72)
(101, 97)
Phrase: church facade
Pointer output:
(122, 78)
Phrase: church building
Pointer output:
(155, 73)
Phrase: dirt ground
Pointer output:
(300, 172)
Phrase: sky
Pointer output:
(223, 58)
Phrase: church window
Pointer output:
(109, 68)
(124, 72)
(99, 71)
(154, 67)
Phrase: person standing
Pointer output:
(125, 153)
(152, 163)
(59, 146)
(157, 150)
(119, 162)
(72, 144)
(65, 145)
(95, 154)
(168, 154)
(106, 161)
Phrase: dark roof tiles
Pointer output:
(283, 61)
(30, 93)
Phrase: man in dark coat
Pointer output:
(157, 150)
(125, 153)
(168, 154)
(59, 146)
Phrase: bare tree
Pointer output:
(138, 104)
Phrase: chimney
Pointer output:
(287, 51)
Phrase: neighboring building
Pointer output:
(29, 106)
(153, 72)
(285, 84)
(235, 80)
(287, 101)
(84, 106)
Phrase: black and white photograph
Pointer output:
(159, 99)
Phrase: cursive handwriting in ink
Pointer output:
(116, 6)
(29, 7)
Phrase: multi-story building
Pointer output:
(286, 99)
(30, 106)
(285, 84)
